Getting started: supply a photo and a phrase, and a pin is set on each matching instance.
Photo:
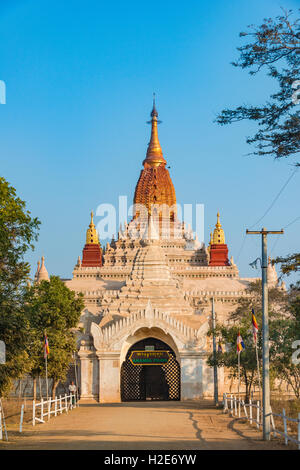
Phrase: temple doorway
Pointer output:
(150, 372)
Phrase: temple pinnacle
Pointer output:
(154, 155)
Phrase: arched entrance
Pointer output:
(150, 372)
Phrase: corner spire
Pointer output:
(218, 236)
(154, 156)
(91, 233)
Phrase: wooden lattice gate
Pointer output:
(150, 382)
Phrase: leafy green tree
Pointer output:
(229, 358)
(240, 320)
(53, 308)
(289, 264)
(274, 47)
(283, 333)
(18, 231)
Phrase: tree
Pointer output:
(289, 264)
(18, 231)
(284, 332)
(240, 321)
(229, 358)
(53, 308)
(275, 47)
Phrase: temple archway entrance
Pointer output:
(150, 372)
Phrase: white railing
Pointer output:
(52, 406)
(2, 427)
(2, 423)
(235, 407)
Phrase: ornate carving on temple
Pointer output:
(156, 280)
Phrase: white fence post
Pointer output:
(66, 403)
(21, 418)
(250, 410)
(42, 409)
(273, 423)
(33, 413)
(235, 407)
(245, 410)
(258, 414)
(298, 431)
(49, 408)
(60, 405)
(55, 406)
(285, 427)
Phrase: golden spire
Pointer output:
(91, 233)
(154, 155)
(218, 236)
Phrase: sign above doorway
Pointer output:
(149, 358)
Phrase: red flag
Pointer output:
(254, 326)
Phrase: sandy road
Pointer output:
(155, 426)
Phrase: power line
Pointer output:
(276, 198)
(293, 221)
(241, 247)
(274, 244)
(288, 225)
(268, 210)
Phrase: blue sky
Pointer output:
(80, 77)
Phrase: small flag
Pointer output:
(254, 326)
(46, 347)
(220, 348)
(239, 343)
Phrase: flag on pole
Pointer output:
(220, 347)
(240, 343)
(46, 347)
(254, 326)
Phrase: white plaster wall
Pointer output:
(84, 377)
(207, 380)
(95, 377)
(109, 380)
(191, 378)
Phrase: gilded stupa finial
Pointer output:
(154, 156)
(154, 110)
(218, 235)
(91, 233)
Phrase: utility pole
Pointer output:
(216, 392)
(265, 331)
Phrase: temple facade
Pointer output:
(148, 295)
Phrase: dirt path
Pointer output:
(163, 425)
